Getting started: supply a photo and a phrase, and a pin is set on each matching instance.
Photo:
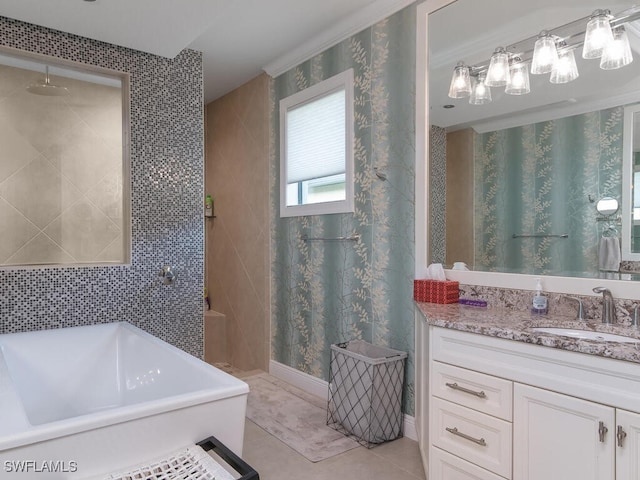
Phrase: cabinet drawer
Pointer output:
(471, 435)
(487, 394)
(444, 466)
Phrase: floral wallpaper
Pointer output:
(330, 292)
(544, 179)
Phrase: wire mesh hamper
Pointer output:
(365, 391)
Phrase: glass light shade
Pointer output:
(565, 70)
(617, 53)
(481, 94)
(545, 54)
(498, 73)
(519, 81)
(597, 35)
(460, 82)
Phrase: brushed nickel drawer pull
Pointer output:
(479, 441)
(455, 386)
(602, 431)
(621, 435)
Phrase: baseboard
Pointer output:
(304, 381)
(320, 388)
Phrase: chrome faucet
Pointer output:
(608, 308)
(580, 312)
(634, 322)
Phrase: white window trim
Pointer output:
(344, 81)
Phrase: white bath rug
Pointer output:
(294, 417)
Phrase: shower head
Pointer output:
(47, 88)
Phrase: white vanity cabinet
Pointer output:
(628, 444)
(503, 409)
(561, 437)
(470, 417)
(564, 437)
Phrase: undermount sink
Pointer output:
(586, 334)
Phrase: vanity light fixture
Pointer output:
(597, 35)
(617, 53)
(601, 35)
(565, 69)
(519, 78)
(545, 54)
(481, 94)
(461, 82)
(498, 73)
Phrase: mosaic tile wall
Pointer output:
(167, 209)
(438, 188)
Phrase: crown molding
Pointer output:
(561, 109)
(343, 29)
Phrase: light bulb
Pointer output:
(565, 70)
(617, 53)
(498, 73)
(460, 82)
(481, 94)
(519, 81)
(597, 35)
(545, 54)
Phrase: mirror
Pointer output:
(523, 172)
(631, 183)
(607, 206)
(63, 164)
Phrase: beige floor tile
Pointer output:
(404, 453)
(274, 460)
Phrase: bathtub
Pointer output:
(82, 401)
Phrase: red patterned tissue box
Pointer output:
(436, 291)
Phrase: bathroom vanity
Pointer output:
(497, 399)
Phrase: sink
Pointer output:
(585, 334)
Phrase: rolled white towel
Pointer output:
(609, 258)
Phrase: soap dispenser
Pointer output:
(539, 300)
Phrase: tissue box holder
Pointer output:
(435, 291)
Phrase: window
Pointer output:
(316, 145)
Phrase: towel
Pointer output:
(609, 259)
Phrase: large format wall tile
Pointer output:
(237, 172)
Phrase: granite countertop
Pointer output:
(516, 325)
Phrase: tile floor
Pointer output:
(274, 460)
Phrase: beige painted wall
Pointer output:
(237, 240)
(459, 217)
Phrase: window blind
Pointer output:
(316, 139)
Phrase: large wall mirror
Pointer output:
(525, 172)
(631, 184)
(64, 163)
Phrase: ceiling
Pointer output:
(480, 27)
(238, 38)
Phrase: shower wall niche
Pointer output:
(62, 164)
